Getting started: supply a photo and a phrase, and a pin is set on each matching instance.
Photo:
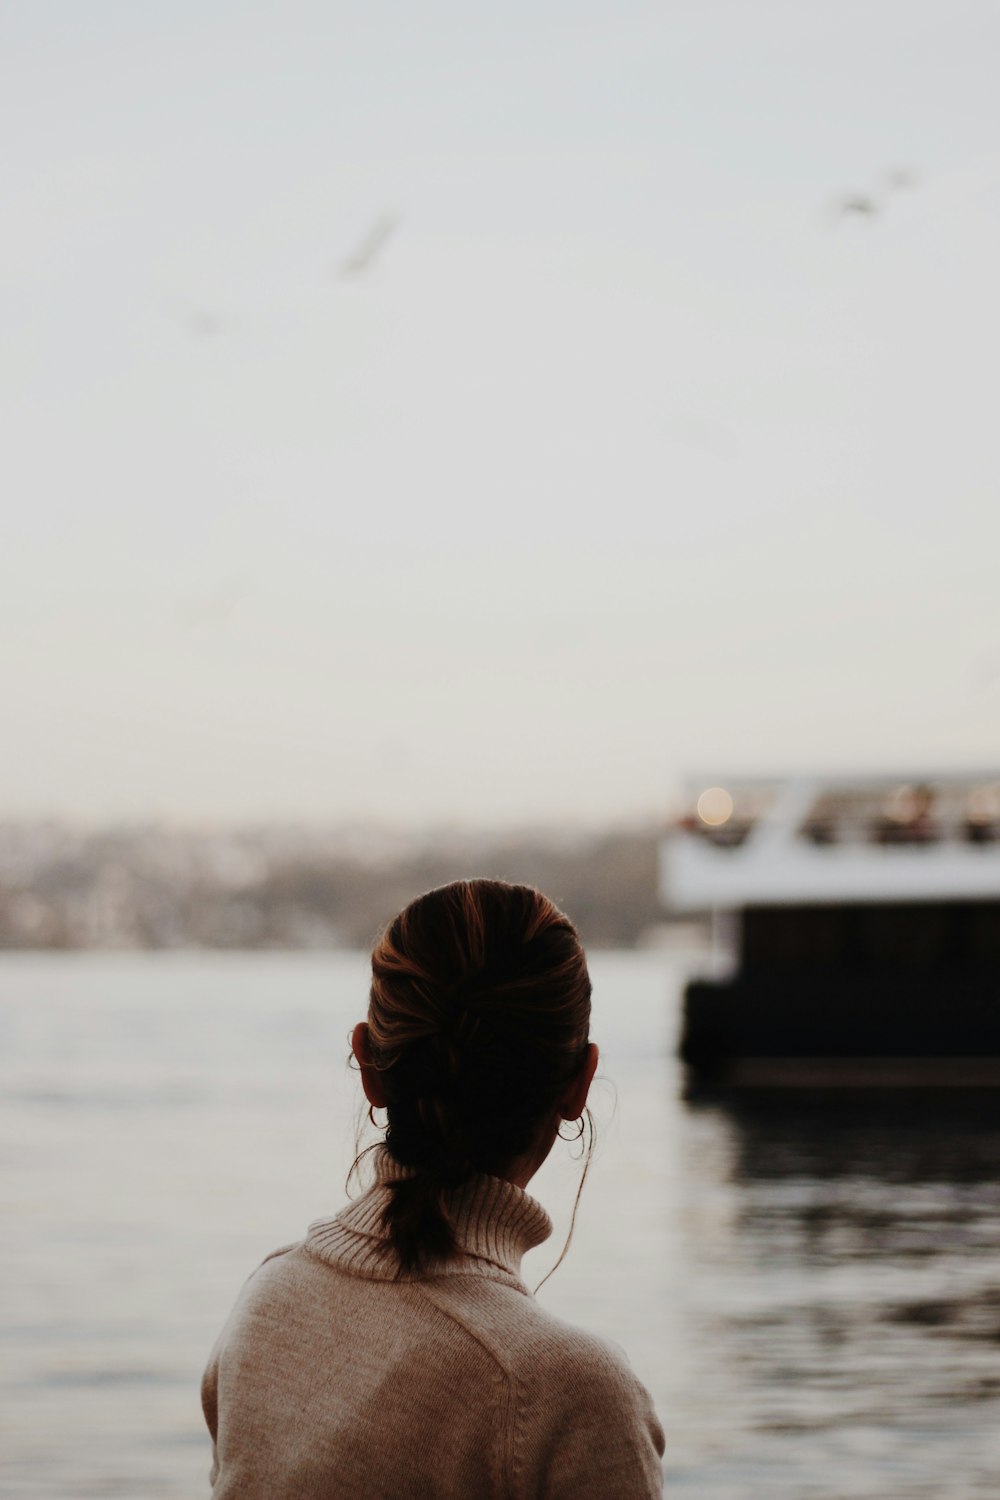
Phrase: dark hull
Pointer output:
(843, 1026)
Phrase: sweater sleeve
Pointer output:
(585, 1429)
(210, 1406)
(210, 1379)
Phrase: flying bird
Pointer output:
(206, 325)
(199, 321)
(901, 178)
(862, 204)
(869, 205)
(367, 252)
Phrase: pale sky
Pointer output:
(627, 455)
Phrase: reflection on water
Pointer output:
(810, 1286)
(852, 1310)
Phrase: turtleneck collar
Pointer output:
(494, 1224)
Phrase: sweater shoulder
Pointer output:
(582, 1360)
(528, 1341)
(281, 1250)
(274, 1267)
(582, 1425)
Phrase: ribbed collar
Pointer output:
(494, 1223)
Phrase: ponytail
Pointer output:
(417, 1222)
(478, 1020)
(426, 1139)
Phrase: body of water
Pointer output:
(809, 1286)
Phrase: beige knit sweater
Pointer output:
(332, 1380)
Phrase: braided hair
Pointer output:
(478, 1021)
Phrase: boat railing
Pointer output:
(873, 832)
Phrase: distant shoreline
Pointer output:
(160, 889)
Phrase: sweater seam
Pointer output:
(507, 1477)
(514, 1449)
(477, 1338)
(282, 1250)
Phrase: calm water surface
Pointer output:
(811, 1288)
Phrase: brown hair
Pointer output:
(478, 1021)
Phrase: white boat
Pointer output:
(861, 918)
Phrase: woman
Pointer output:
(395, 1352)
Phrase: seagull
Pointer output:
(205, 324)
(862, 204)
(869, 205)
(364, 257)
(901, 178)
(200, 321)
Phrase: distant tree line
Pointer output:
(160, 888)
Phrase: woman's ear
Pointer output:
(574, 1101)
(371, 1078)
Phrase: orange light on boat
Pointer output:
(715, 806)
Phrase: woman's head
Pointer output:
(477, 1044)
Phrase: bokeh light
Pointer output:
(715, 806)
